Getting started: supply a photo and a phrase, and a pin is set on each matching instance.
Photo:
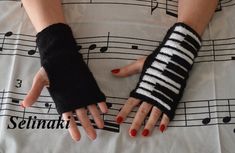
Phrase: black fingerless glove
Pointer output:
(166, 70)
(72, 85)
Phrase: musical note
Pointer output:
(112, 127)
(169, 5)
(32, 51)
(153, 7)
(190, 114)
(207, 120)
(3, 92)
(8, 34)
(23, 114)
(47, 105)
(79, 47)
(91, 47)
(211, 50)
(105, 48)
(185, 114)
(15, 101)
(227, 119)
(134, 47)
(169, 9)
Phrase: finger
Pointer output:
(133, 68)
(103, 107)
(152, 120)
(142, 112)
(96, 116)
(126, 109)
(86, 123)
(39, 82)
(164, 123)
(73, 130)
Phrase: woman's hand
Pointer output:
(144, 107)
(40, 81)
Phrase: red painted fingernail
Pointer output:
(133, 132)
(162, 128)
(22, 105)
(145, 132)
(115, 71)
(119, 119)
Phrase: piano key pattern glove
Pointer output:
(166, 70)
(72, 85)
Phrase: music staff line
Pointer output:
(184, 118)
(211, 50)
(108, 126)
(24, 113)
(130, 117)
(170, 6)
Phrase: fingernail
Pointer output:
(22, 105)
(119, 120)
(145, 132)
(115, 71)
(76, 139)
(92, 137)
(162, 128)
(133, 132)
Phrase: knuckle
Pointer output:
(132, 102)
(136, 124)
(156, 113)
(144, 111)
(145, 108)
(81, 111)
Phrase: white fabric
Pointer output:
(176, 36)
(160, 75)
(177, 45)
(211, 81)
(157, 70)
(183, 30)
(148, 94)
(159, 65)
(154, 81)
(172, 52)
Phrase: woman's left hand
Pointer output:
(145, 108)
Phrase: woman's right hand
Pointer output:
(40, 81)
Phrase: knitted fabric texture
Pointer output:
(72, 85)
(166, 70)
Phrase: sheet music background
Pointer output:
(113, 33)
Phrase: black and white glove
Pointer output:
(166, 70)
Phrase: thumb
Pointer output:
(133, 68)
(40, 80)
